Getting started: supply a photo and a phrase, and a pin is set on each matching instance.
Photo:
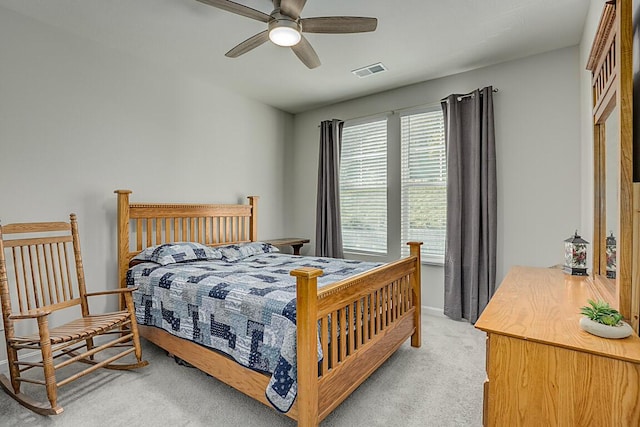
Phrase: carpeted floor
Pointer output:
(439, 384)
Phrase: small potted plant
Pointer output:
(604, 321)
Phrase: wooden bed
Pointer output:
(385, 301)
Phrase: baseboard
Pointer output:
(433, 311)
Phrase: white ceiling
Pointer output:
(417, 40)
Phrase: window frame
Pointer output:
(394, 185)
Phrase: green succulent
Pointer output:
(601, 312)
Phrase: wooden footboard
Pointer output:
(361, 321)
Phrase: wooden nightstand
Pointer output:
(295, 242)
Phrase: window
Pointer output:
(363, 187)
(424, 179)
(393, 176)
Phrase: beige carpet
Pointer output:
(439, 384)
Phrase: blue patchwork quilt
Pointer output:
(243, 306)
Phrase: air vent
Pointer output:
(370, 70)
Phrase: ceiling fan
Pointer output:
(285, 27)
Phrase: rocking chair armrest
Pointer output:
(113, 291)
(31, 314)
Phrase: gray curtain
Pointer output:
(470, 252)
(328, 225)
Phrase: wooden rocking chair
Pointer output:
(41, 264)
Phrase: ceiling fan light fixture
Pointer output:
(284, 36)
(284, 32)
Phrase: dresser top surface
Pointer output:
(543, 305)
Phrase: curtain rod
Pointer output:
(390, 112)
(460, 97)
(495, 89)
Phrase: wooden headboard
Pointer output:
(141, 225)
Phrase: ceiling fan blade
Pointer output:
(292, 8)
(305, 52)
(338, 24)
(238, 9)
(249, 44)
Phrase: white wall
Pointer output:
(537, 122)
(78, 120)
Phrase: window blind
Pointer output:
(423, 182)
(363, 187)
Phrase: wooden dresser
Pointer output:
(542, 369)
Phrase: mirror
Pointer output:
(606, 197)
(612, 159)
(610, 63)
(607, 214)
